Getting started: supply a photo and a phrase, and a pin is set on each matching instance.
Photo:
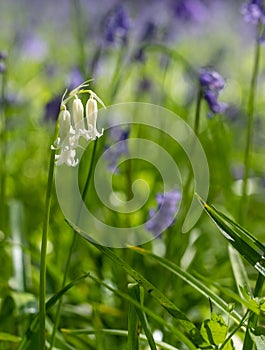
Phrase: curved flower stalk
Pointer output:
(67, 142)
(71, 129)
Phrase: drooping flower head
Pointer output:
(167, 206)
(71, 129)
(211, 84)
(66, 141)
(117, 26)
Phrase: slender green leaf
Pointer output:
(138, 294)
(116, 332)
(133, 322)
(175, 331)
(34, 325)
(245, 243)
(9, 337)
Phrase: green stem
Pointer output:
(79, 31)
(42, 290)
(250, 122)
(170, 251)
(234, 331)
(198, 111)
(117, 75)
(68, 261)
(3, 142)
(253, 319)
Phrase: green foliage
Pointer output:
(157, 295)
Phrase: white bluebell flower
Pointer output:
(91, 115)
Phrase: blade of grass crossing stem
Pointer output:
(138, 294)
(133, 322)
(116, 332)
(192, 281)
(171, 308)
(175, 331)
(34, 325)
(242, 242)
(251, 305)
(239, 271)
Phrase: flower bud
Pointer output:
(65, 124)
(78, 114)
(92, 114)
(91, 111)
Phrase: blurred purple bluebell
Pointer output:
(163, 217)
(3, 57)
(253, 11)
(117, 26)
(75, 78)
(52, 109)
(118, 137)
(190, 10)
(212, 83)
(147, 36)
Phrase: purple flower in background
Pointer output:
(211, 80)
(52, 109)
(215, 106)
(75, 78)
(212, 83)
(163, 217)
(119, 137)
(117, 26)
(148, 34)
(253, 11)
(190, 10)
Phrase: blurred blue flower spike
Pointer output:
(117, 26)
(167, 206)
(211, 84)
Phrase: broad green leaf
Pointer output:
(215, 331)
(258, 337)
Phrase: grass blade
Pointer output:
(192, 331)
(138, 294)
(192, 281)
(244, 242)
(179, 335)
(133, 322)
(34, 326)
(119, 332)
